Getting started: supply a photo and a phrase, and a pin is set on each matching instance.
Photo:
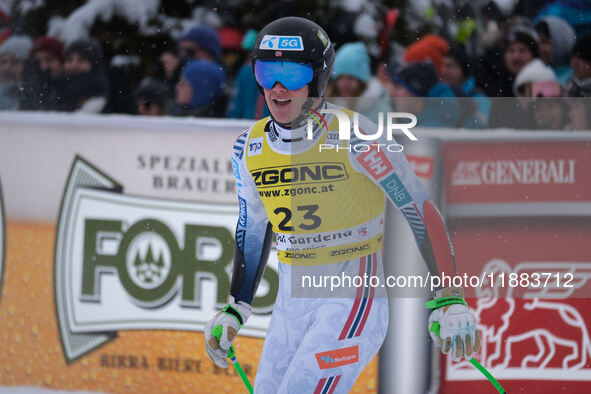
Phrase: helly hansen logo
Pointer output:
(376, 163)
(338, 357)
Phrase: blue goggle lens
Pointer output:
(292, 75)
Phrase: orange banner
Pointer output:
(135, 361)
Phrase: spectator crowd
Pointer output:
(518, 69)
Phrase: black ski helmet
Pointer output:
(317, 49)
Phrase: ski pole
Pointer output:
(435, 328)
(217, 333)
(488, 375)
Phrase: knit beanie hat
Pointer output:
(230, 38)
(431, 47)
(582, 48)
(18, 46)
(418, 78)
(88, 49)
(534, 71)
(151, 90)
(207, 81)
(459, 54)
(525, 35)
(352, 59)
(248, 40)
(206, 37)
(49, 44)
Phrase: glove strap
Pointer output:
(444, 301)
(235, 314)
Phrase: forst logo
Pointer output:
(299, 174)
(285, 43)
(149, 262)
(138, 263)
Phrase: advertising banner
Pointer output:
(2, 239)
(119, 246)
(517, 177)
(519, 211)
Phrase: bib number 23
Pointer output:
(310, 221)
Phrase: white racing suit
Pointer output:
(326, 209)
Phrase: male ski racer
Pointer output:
(326, 209)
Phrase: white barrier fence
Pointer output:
(116, 171)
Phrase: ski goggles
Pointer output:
(290, 74)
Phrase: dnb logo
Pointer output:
(2, 240)
(129, 263)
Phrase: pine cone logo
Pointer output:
(148, 261)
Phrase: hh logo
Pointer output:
(338, 357)
(376, 163)
(285, 43)
(255, 146)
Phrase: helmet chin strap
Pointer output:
(300, 120)
(299, 123)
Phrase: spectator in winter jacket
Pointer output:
(151, 97)
(534, 71)
(580, 61)
(48, 52)
(414, 90)
(201, 42)
(168, 68)
(557, 39)
(85, 83)
(13, 54)
(456, 72)
(247, 101)
(200, 91)
(43, 71)
(354, 87)
(580, 84)
(497, 68)
(539, 95)
(520, 48)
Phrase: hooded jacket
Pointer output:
(562, 37)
